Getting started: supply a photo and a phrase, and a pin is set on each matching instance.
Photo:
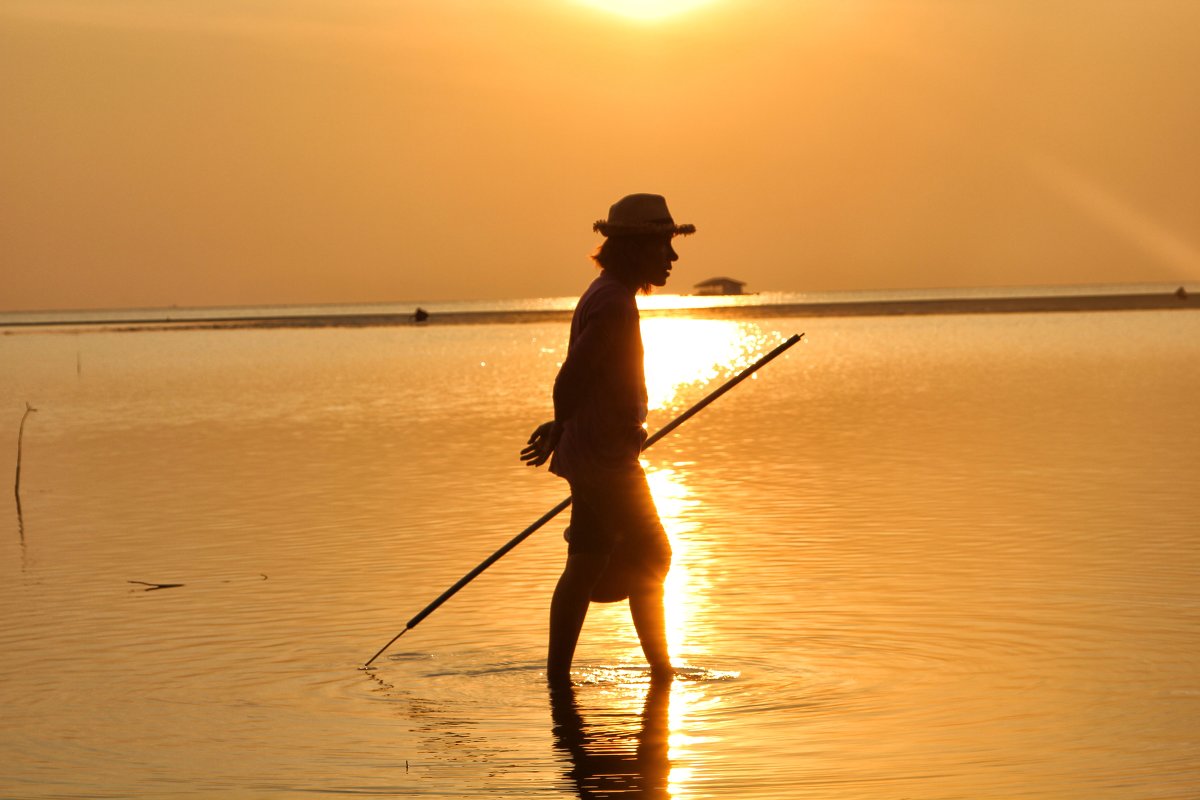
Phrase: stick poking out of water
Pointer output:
(20, 438)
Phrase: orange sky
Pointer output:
(228, 152)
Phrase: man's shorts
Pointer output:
(616, 517)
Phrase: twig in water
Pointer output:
(20, 438)
(154, 586)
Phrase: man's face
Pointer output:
(657, 259)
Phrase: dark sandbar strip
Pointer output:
(967, 305)
(974, 305)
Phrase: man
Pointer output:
(617, 548)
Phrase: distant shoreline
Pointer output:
(987, 305)
(850, 308)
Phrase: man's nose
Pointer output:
(671, 254)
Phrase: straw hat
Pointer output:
(640, 214)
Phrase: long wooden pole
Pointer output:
(549, 515)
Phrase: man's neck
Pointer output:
(628, 283)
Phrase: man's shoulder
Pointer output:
(607, 295)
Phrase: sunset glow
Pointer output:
(417, 411)
(646, 9)
(351, 151)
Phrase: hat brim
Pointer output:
(606, 228)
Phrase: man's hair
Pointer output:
(620, 255)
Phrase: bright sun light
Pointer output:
(685, 357)
(646, 9)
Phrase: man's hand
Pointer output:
(542, 443)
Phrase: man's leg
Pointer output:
(568, 608)
(649, 618)
(646, 551)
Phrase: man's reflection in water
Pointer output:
(607, 761)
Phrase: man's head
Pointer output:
(637, 246)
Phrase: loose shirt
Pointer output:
(600, 392)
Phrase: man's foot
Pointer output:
(559, 679)
(662, 672)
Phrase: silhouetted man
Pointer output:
(617, 547)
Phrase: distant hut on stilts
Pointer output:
(720, 286)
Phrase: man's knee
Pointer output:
(647, 582)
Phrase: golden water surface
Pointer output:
(935, 557)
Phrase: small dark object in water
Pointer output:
(17, 481)
(420, 315)
(154, 586)
(1181, 293)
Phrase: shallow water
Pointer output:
(936, 557)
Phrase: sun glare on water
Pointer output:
(646, 10)
(683, 355)
(685, 359)
(681, 591)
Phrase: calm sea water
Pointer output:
(918, 557)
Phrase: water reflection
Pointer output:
(682, 353)
(606, 757)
